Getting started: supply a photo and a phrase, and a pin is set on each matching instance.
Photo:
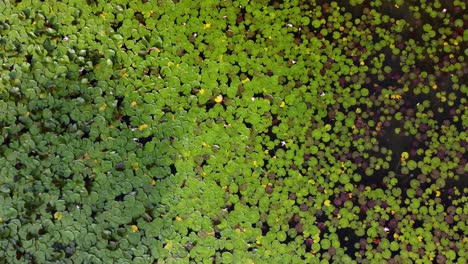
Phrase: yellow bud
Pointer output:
(282, 104)
(134, 228)
(142, 127)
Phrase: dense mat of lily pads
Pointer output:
(233, 131)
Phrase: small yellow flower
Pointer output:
(142, 127)
(246, 80)
(153, 182)
(404, 156)
(396, 236)
(437, 193)
(282, 104)
(207, 25)
(134, 228)
(327, 203)
(178, 218)
(202, 91)
(218, 99)
(123, 72)
(434, 86)
(58, 216)
(103, 107)
(133, 104)
(395, 96)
